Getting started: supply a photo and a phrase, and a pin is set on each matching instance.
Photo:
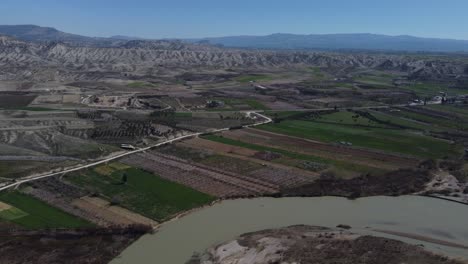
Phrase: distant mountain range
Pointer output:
(33, 33)
(121, 37)
(36, 33)
(342, 42)
(275, 41)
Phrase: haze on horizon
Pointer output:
(210, 18)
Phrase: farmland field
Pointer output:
(463, 111)
(348, 118)
(15, 101)
(31, 213)
(381, 80)
(341, 165)
(241, 104)
(216, 181)
(392, 140)
(143, 192)
(437, 123)
(394, 120)
(140, 84)
(230, 164)
(283, 114)
(183, 114)
(431, 89)
(252, 78)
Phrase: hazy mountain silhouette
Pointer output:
(361, 41)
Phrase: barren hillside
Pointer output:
(60, 62)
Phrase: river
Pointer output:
(177, 240)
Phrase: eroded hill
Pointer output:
(53, 61)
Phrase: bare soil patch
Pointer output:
(109, 213)
(4, 206)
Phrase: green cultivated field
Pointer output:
(283, 114)
(437, 124)
(460, 110)
(432, 89)
(394, 120)
(144, 193)
(31, 213)
(252, 103)
(391, 140)
(348, 118)
(252, 78)
(378, 80)
(256, 105)
(183, 114)
(338, 164)
(385, 120)
(233, 104)
(140, 84)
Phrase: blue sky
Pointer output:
(206, 18)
